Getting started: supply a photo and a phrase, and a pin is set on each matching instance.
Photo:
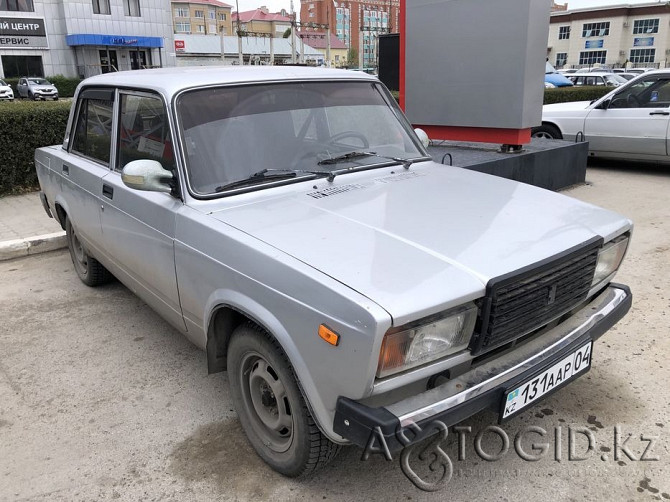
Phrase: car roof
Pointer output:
(169, 81)
(595, 74)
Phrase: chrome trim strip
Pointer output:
(498, 371)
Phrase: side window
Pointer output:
(93, 132)
(649, 93)
(144, 131)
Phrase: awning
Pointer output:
(113, 40)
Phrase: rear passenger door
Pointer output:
(138, 226)
(88, 162)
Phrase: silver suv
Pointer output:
(36, 88)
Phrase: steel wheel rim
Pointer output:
(266, 402)
(78, 254)
(543, 134)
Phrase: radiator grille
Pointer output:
(518, 305)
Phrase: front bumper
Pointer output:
(484, 386)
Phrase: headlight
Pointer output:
(414, 344)
(609, 259)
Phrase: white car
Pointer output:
(6, 91)
(631, 122)
(607, 79)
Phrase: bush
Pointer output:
(24, 126)
(65, 85)
(580, 93)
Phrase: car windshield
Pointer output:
(615, 79)
(231, 133)
(39, 81)
(2, 83)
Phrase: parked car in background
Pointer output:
(627, 75)
(631, 122)
(639, 70)
(554, 78)
(599, 78)
(36, 88)
(567, 71)
(6, 92)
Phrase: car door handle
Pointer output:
(659, 113)
(107, 191)
(66, 169)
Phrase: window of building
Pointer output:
(563, 32)
(183, 27)
(131, 8)
(144, 132)
(642, 55)
(211, 14)
(561, 59)
(222, 16)
(181, 12)
(101, 7)
(201, 28)
(20, 66)
(592, 57)
(596, 29)
(17, 5)
(93, 131)
(199, 13)
(645, 26)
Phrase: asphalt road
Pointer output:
(102, 400)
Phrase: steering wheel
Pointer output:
(633, 102)
(349, 134)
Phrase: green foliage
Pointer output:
(287, 33)
(65, 85)
(352, 58)
(576, 93)
(24, 126)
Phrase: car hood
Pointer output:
(419, 241)
(5, 88)
(566, 107)
(557, 79)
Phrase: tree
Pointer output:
(287, 33)
(352, 58)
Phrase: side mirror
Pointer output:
(425, 140)
(147, 175)
(604, 105)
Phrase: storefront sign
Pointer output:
(23, 33)
(179, 45)
(643, 42)
(594, 44)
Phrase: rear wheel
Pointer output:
(546, 131)
(89, 270)
(271, 407)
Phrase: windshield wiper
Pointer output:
(354, 155)
(271, 174)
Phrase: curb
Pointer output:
(18, 248)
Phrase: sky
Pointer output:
(277, 5)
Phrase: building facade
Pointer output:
(202, 17)
(262, 21)
(615, 36)
(83, 37)
(357, 23)
(317, 40)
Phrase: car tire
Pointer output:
(282, 431)
(546, 131)
(89, 270)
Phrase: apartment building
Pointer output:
(263, 21)
(615, 35)
(83, 37)
(201, 17)
(357, 23)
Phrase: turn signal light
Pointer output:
(329, 335)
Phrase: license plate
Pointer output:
(550, 379)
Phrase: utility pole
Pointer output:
(293, 27)
(239, 36)
(328, 36)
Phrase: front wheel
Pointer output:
(546, 131)
(271, 407)
(89, 270)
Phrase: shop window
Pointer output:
(131, 8)
(17, 5)
(101, 7)
(22, 66)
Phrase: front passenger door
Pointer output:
(138, 227)
(636, 121)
